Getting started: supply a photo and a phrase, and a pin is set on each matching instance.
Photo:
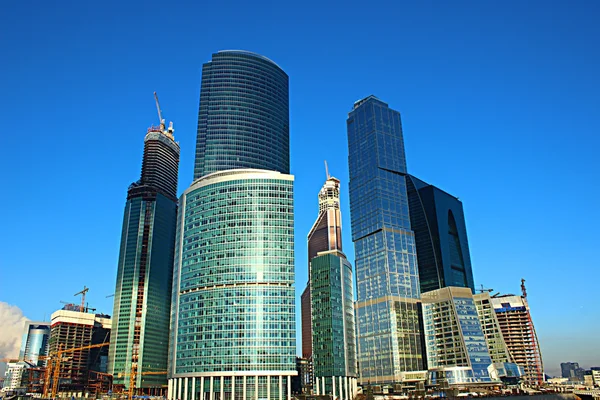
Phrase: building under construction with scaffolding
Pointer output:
(519, 335)
(74, 327)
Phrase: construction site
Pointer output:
(75, 361)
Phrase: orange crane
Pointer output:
(53, 367)
(133, 374)
(82, 293)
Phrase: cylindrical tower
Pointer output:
(243, 120)
(233, 322)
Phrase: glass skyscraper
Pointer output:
(243, 118)
(329, 310)
(35, 342)
(438, 221)
(140, 330)
(387, 308)
(233, 301)
(325, 235)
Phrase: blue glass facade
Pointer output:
(438, 222)
(243, 118)
(454, 337)
(386, 264)
(35, 342)
(233, 316)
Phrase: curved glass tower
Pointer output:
(233, 321)
(233, 333)
(243, 120)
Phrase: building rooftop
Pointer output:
(250, 53)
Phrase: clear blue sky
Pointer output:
(499, 99)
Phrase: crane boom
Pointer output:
(82, 293)
(160, 118)
(53, 367)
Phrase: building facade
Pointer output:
(438, 221)
(243, 114)
(519, 334)
(233, 300)
(145, 267)
(233, 324)
(333, 327)
(491, 329)
(72, 328)
(387, 308)
(457, 351)
(35, 342)
(325, 235)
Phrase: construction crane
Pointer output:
(160, 118)
(484, 290)
(133, 374)
(54, 364)
(523, 290)
(82, 293)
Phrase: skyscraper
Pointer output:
(145, 271)
(519, 334)
(233, 312)
(438, 222)
(333, 326)
(325, 235)
(457, 351)
(331, 308)
(243, 115)
(35, 342)
(387, 307)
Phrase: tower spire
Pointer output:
(327, 170)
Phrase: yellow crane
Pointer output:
(54, 364)
(133, 374)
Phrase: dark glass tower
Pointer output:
(387, 307)
(233, 300)
(438, 221)
(140, 329)
(243, 120)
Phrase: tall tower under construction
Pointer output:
(519, 334)
(139, 343)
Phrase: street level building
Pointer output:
(70, 329)
(491, 329)
(387, 307)
(519, 334)
(35, 343)
(233, 331)
(438, 221)
(457, 352)
(145, 267)
(503, 368)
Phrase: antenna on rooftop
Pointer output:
(160, 118)
(327, 170)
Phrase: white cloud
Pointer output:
(12, 322)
